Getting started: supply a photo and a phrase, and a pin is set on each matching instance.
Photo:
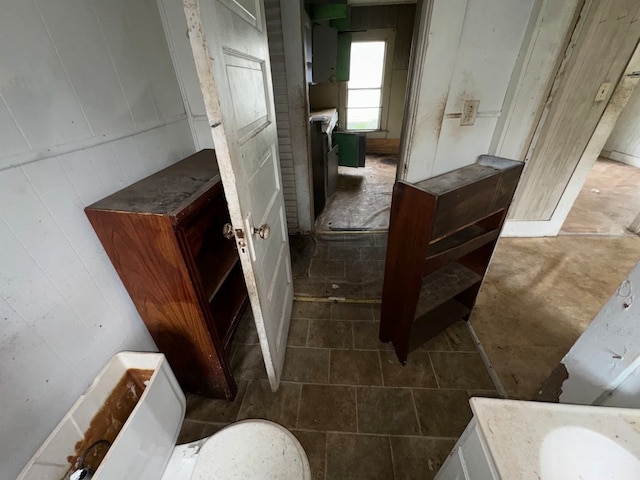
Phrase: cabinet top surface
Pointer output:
(486, 166)
(168, 191)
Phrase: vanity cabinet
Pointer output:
(164, 236)
(469, 459)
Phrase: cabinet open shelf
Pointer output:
(444, 284)
(228, 304)
(457, 245)
(215, 262)
(442, 233)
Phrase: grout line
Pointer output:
(306, 340)
(353, 337)
(380, 365)
(329, 368)
(357, 425)
(206, 422)
(433, 369)
(299, 403)
(393, 460)
(415, 410)
(355, 233)
(374, 301)
(326, 454)
(487, 363)
(397, 387)
(386, 435)
(244, 397)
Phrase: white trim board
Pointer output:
(522, 228)
(622, 158)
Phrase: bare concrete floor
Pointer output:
(538, 297)
(362, 200)
(608, 201)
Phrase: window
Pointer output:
(364, 89)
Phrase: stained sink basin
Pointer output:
(576, 452)
(550, 441)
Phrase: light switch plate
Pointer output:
(603, 91)
(469, 112)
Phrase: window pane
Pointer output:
(363, 118)
(367, 64)
(364, 98)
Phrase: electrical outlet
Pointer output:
(469, 112)
(603, 91)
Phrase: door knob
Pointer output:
(227, 231)
(263, 231)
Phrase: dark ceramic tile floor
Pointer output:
(357, 411)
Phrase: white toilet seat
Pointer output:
(249, 449)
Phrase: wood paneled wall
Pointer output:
(399, 17)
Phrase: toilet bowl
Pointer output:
(246, 449)
(145, 447)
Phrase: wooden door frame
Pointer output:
(619, 98)
(419, 44)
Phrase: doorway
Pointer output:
(609, 200)
(366, 94)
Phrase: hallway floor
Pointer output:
(362, 200)
(608, 201)
(538, 297)
(540, 294)
(356, 410)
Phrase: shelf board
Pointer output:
(443, 285)
(435, 321)
(456, 245)
(228, 303)
(215, 264)
(237, 316)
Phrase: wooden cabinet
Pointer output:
(442, 233)
(163, 235)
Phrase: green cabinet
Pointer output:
(352, 148)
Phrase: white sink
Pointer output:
(577, 452)
(547, 441)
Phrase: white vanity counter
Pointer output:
(508, 440)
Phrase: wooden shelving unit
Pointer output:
(163, 235)
(442, 234)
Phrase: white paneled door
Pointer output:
(229, 43)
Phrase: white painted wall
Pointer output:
(471, 51)
(89, 103)
(623, 144)
(603, 363)
(175, 26)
